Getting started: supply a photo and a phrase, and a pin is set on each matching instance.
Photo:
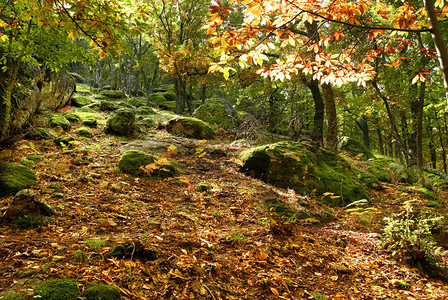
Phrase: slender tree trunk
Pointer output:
(332, 123)
(364, 126)
(421, 100)
(318, 128)
(442, 146)
(439, 42)
(380, 140)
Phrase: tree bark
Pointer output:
(439, 42)
(332, 123)
(419, 127)
(318, 128)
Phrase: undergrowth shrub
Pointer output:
(409, 234)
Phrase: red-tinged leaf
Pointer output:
(400, 47)
(422, 49)
(432, 51)
(275, 292)
(396, 63)
(405, 57)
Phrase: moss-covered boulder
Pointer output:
(103, 292)
(107, 105)
(403, 173)
(59, 289)
(147, 122)
(304, 168)
(122, 122)
(84, 132)
(72, 117)
(379, 171)
(190, 127)
(16, 296)
(60, 120)
(131, 161)
(26, 202)
(137, 102)
(79, 101)
(28, 163)
(161, 100)
(63, 141)
(368, 179)
(37, 134)
(145, 110)
(354, 148)
(218, 112)
(169, 95)
(113, 94)
(14, 178)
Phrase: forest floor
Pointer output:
(222, 243)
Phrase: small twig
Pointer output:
(207, 288)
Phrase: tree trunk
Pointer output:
(318, 129)
(364, 126)
(439, 42)
(380, 140)
(421, 100)
(332, 123)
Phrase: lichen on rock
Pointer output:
(122, 122)
(60, 120)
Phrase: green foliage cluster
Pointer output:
(410, 233)
(30, 221)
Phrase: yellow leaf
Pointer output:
(275, 292)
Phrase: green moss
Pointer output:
(107, 105)
(137, 102)
(59, 289)
(16, 297)
(144, 111)
(355, 148)
(72, 117)
(107, 87)
(190, 127)
(214, 112)
(156, 98)
(112, 94)
(37, 134)
(202, 187)
(34, 158)
(367, 179)
(131, 161)
(122, 122)
(60, 120)
(84, 132)
(30, 221)
(428, 194)
(27, 163)
(89, 118)
(83, 89)
(63, 141)
(14, 177)
(125, 104)
(77, 77)
(376, 169)
(304, 168)
(102, 292)
(169, 95)
(403, 173)
(147, 122)
(79, 101)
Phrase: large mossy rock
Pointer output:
(37, 134)
(60, 120)
(131, 161)
(304, 168)
(377, 169)
(57, 88)
(59, 289)
(107, 105)
(102, 292)
(113, 94)
(190, 127)
(217, 112)
(122, 122)
(26, 202)
(354, 148)
(80, 101)
(403, 173)
(14, 178)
